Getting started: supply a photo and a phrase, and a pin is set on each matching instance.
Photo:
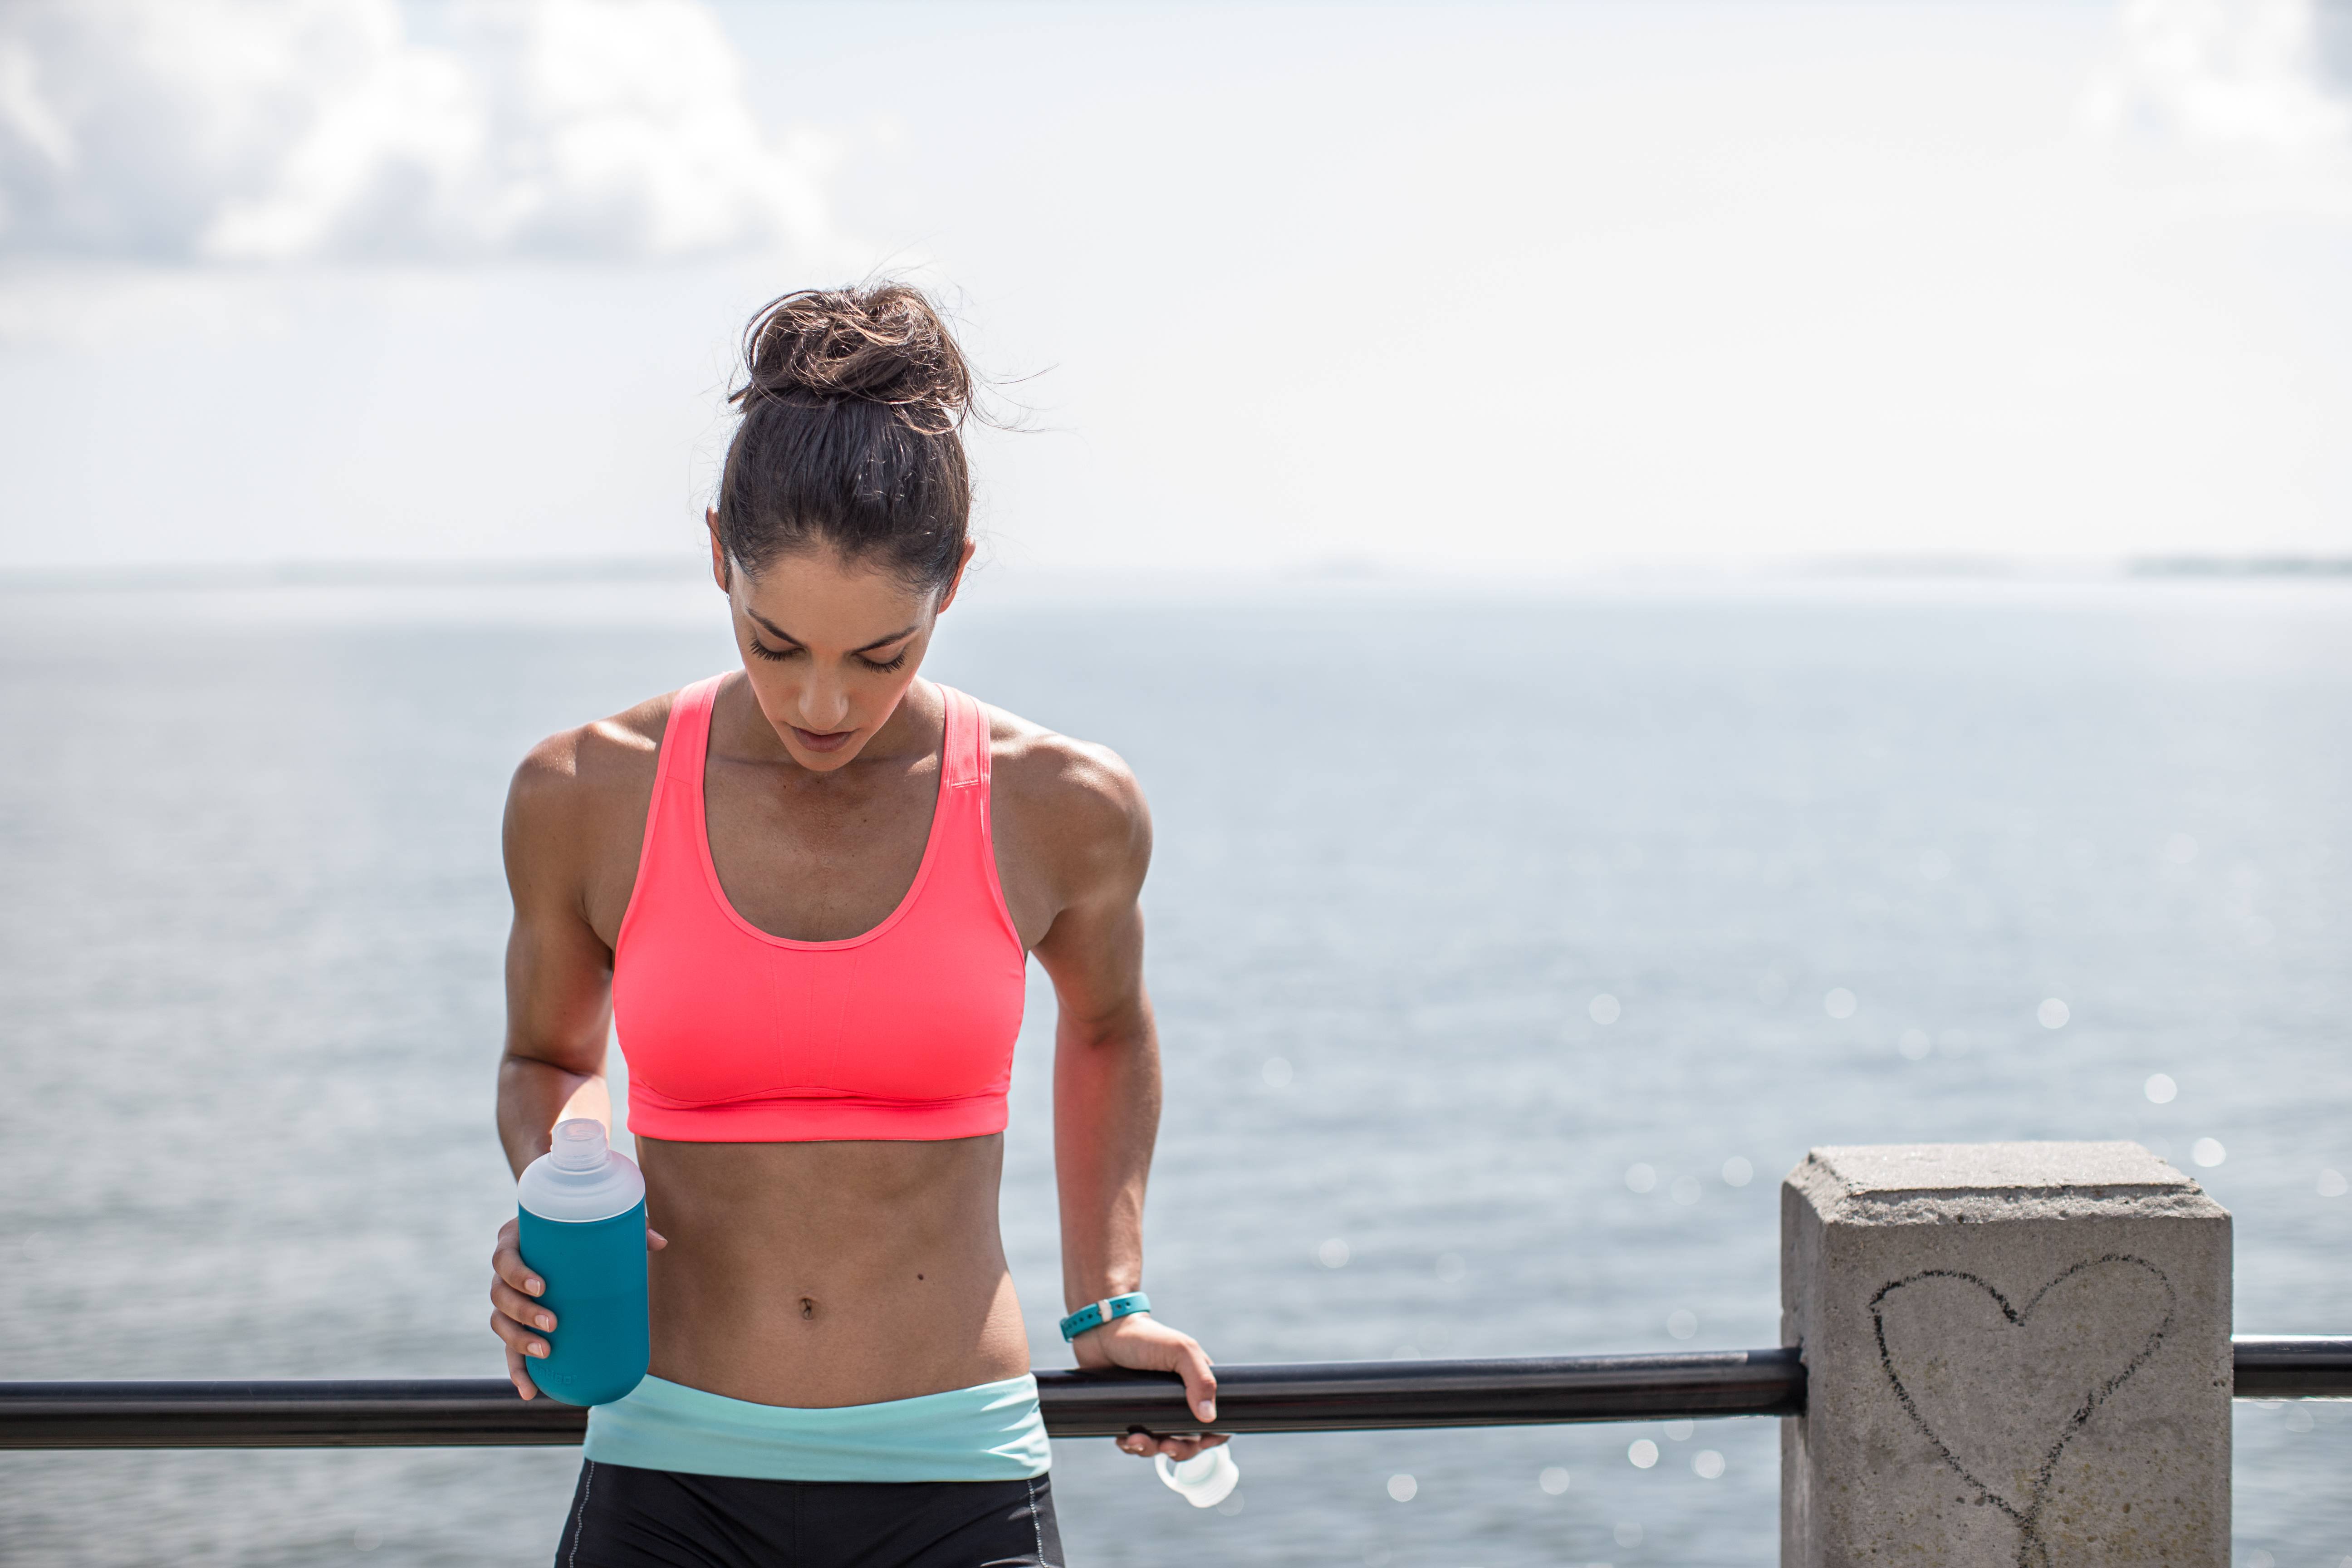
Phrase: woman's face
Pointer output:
(831, 647)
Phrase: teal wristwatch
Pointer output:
(1095, 1315)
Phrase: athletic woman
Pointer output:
(804, 893)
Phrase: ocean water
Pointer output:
(1495, 940)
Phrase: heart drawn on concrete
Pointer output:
(2000, 1390)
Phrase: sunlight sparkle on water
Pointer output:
(1680, 1431)
(1707, 1465)
(1403, 1488)
(2051, 1014)
(1682, 1324)
(1684, 1190)
(2208, 1152)
(1276, 1072)
(1840, 1003)
(1604, 1009)
(1914, 1045)
(2159, 1089)
(2332, 1184)
(1451, 1268)
(1332, 1254)
(1553, 1481)
(1641, 1178)
(1642, 1453)
(1737, 1172)
(1628, 1534)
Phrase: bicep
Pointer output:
(1093, 951)
(1093, 956)
(559, 975)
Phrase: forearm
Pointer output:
(534, 1095)
(1106, 1116)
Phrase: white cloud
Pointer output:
(2262, 74)
(269, 131)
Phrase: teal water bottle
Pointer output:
(582, 1212)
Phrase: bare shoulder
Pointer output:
(1075, 800)
(576, 776)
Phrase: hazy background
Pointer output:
(1323, 287)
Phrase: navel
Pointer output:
(808, 1309)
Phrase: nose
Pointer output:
(823, 705)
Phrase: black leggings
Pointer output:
(623, 1516)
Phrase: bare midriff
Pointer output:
(824, 1274)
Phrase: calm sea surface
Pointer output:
(1493, 942)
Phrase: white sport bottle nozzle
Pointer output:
(579, 1144)
(1205, 1479)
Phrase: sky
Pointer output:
(1320, 289)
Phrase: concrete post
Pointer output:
(2017, 1356)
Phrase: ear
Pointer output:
(971, 548)
(718, 570)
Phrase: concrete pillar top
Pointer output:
(1929, 1183)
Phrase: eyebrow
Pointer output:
(776, 630)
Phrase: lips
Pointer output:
(827, 742)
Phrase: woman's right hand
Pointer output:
(516, 1315)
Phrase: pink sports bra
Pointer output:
(733, 1035)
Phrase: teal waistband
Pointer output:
(990, 1432)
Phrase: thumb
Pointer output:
(1200, 1383)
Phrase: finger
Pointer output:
(1184, 1448)
(1200, 1383)
(1144, 1445)
(520, 1378)
(520, 1339)
(520, 1308)
(508, 1265)
(655, 1240)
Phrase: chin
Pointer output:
(826, 760)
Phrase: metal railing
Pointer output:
(1324, 1396)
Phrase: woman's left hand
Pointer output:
(1141, 1342)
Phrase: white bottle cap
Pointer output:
(1205, 1479)
(581, 1177)
(579, 1144)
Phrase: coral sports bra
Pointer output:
(733, 1035)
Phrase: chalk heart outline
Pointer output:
(2058, 1406)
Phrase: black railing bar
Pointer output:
(2292, 1366)
(1306, 1397)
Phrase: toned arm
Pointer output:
(1086, 823)
(559, 972)
(569, 875)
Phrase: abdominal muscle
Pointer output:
(818, 1275)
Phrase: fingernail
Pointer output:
(1209, 1410)
(545, 1321)
(533, 1286)
(538, 1349)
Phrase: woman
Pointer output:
(804, 894)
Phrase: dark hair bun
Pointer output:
(881, 344)
(854, 406)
